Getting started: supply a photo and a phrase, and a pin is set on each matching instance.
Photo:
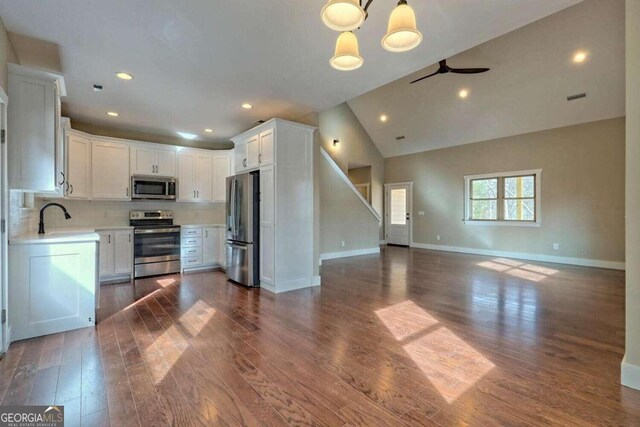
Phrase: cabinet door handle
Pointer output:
(260, 158)
(244, 163)
(194, 194)
(127, 191)
(71, 186)
(129, 237)
(198, 194)
(63, 179)
(206, 233)
(67, 185)
(109, 238)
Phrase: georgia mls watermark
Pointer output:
(32, 416)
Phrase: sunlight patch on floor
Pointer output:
(166, 282)
(450, 364)
(534, 273)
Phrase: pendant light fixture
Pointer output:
(347, 56)
(402, 33)
(348, 15)
(343, 15)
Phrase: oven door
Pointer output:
(150, 187)
(156, 244)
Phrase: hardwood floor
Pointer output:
(411, 337)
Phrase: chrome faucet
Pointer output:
(41, 225)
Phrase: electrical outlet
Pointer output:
(421, 213)
(343, 244)
(438, 237)
(556, 246)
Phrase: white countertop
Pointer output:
(56, 236)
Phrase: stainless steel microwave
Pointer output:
(153, 187)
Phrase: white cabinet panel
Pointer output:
(106, 254)
(186, 176)
(123, 252)
(110, 177)
(32, 134)
(78, 177)
(267, 139)
(240, 154)
(143, 161)
(165, 163)
(211, 245)
(204, 177)
(267, 224)
(253, 152)
(221, 170)
(53, 288)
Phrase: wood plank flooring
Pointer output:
(410, 337)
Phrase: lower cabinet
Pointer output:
(116, 254)
(202, 247)
(52, 288)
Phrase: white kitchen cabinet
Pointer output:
(34, 129)
(78, 175)
(110, 179)
(148, 160)
(116, 254)
(202, 247)
(52, 288)
(240, 153)
(285, 162)
(195, 176)
(221, 170)
(267, 224)
(256, 151)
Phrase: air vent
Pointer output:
(97, 88)
(578, 96)
(400, 138)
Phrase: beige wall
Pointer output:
(36, 53)
(104, 214)
(631, 373)
(355, 146)
(582, 191)
(360, 175)
(142, 136)
(343, 217)
(7, 54)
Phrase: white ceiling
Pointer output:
(531, 75)
(196, 62)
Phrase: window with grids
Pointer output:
(507, 198)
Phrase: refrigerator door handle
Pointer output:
(232, 207)
(234, 246)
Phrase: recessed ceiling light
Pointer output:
(463, 93)
(247, 106)
(112, 114)
(579, 57)
(383, 118)
(124, 76)
(187, 135)
(207, 130)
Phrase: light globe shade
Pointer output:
(343, 15)
(347, 57)
(402, 33)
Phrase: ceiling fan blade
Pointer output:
(422, 78)
(469, 70)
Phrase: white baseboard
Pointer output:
(292, 285)
(383, 242)
(630, 374)
(316, 281)
(613, 265)
(344, 254)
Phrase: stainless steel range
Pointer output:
(156, 243)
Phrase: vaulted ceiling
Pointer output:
(532, 74)
(196, 62)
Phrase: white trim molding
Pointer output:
(538, 199)
(630, 374)
(350, 184)
(612, 265)
(345, 254)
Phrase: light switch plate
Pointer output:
(421, 213)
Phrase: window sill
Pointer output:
(504, 223)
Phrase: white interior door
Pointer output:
(398, 214)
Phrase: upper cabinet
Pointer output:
(110, 179)
(195, 175)
(77, 176)
(147, 160)
(255, 151)
(34, 138)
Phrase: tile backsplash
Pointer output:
(86, 213)
(21, 220)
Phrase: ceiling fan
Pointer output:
(444, 69)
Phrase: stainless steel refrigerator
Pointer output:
(243, 228)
